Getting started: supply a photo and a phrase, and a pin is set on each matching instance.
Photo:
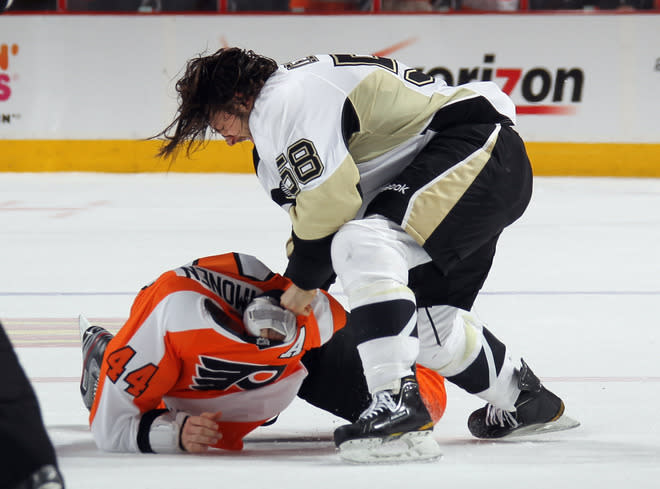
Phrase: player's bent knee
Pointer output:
(363, 251)
(450, 339)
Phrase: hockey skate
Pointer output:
(46, 477)
(94, 340)
(396, 427)
(537, 411)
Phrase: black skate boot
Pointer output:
(537, 411)
(47, 477)
(395, 427)
(94, 339)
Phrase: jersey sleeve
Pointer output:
(329, 314)
(305, 165)
(139, 368)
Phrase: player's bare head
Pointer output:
(224, 81)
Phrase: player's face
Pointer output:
(234, 128)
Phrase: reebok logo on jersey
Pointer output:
(214, 374)
(397, 187)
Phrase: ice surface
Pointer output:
(575, 290)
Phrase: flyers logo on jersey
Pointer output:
(214, 374)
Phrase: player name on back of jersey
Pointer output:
(237, 293)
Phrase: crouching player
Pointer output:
(208, 355)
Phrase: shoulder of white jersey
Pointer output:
(287, 114)
(282, 102)
(273, 114)
(298, 83)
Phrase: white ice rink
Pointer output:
(575, 290)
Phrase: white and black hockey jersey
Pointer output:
(331, 130)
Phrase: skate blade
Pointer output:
(409, 447)
(561, 424)
(83, 325)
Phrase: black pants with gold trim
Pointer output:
(455, 198)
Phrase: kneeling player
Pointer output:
(186, 372)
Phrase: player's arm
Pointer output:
(139, 369)
(319, 211)
(128, 414)
(305, 165)
(165, 431)
(317, 215)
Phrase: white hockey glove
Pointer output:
(265, 312)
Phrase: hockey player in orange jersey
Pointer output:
(208, 355)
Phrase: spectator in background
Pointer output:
(28, 5)
(103, 5)
(143, 5)
(186, 5)
(258, 5)
(312, 6)
(490, 5)
(406, 5)
(556, 4)
(591, 4)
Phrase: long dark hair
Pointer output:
(222, 81)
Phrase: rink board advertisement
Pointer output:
(83, 92)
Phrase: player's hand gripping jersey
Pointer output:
(330, 131)
(184, 351)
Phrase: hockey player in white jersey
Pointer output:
(401, 186)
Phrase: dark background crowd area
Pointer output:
(147, 6)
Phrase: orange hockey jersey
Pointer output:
(183, 351)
